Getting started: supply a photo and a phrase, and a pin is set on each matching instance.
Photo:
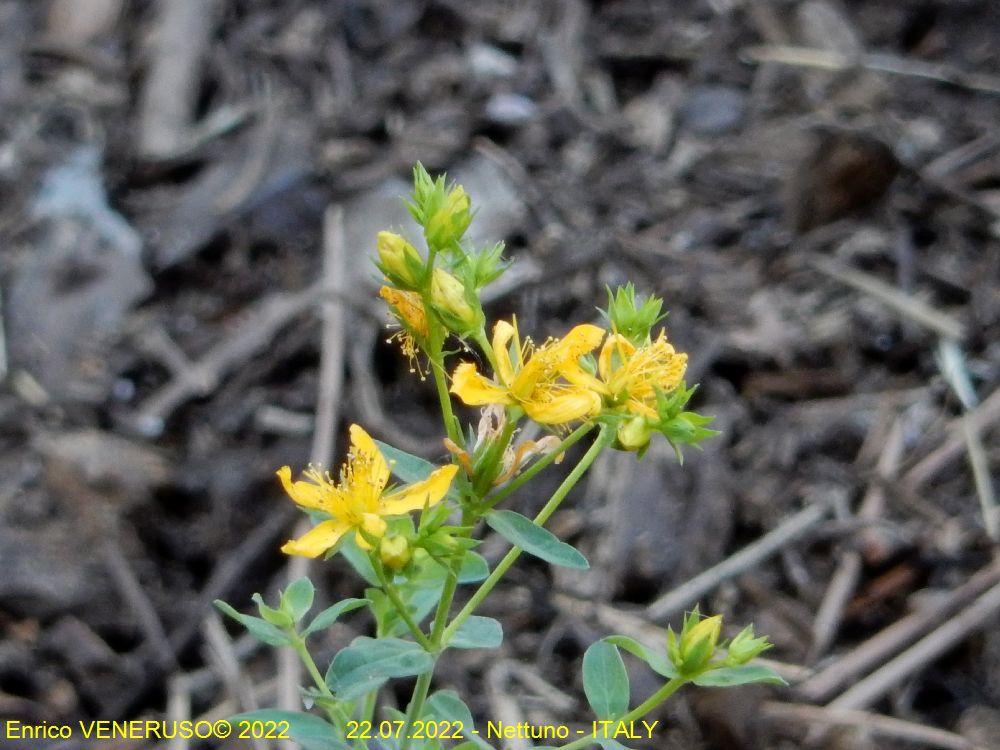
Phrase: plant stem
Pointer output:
(300, 648)
(487, 348)
(604, 437)
(298, 643)
(400, 606)
(636, 713)
(436, 338)
(416, 705)
(423, 684)
(518, 481)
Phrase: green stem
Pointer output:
(436, 344)
(636, 713)
(486, 347)
(416, 706)
(423, 684)
(525, 476)
(400, 606)
(604, 437)
(298, 643)
(300, 648)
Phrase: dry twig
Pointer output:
(864, 693)
(822, 59)
(874, 724)
(845, 578)
(897, 636)
(748, 557)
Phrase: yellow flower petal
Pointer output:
(306, 494)
(503, 333)
(568, 406)
(317, 540)
(616, 343)
(413, 497)
(367, 462)
(580, 340)
(474, 389)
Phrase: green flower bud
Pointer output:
(449, 297)
(394, 552)
(745, 647)
(633, 434)
(448, 223)
(633, 317)
(400, 260)
(693, 650)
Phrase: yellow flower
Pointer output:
(408, 309)
(359, 501)
(536, 379)
(629, 376)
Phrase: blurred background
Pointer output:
(189, 192)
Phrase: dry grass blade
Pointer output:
(822, 59)
(866, 692)
(855, 663)
(688, 593)
(908, 306)
(886, 727)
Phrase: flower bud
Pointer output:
(694, 649)
(745, 647)
(634, 434)
(448, 296)
(394, 552)
(400, 260)
(447, 225)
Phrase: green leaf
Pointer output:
(533, 539)
(330, 615)
(358, 559)
(260, 629)
(658, 661)
(409, 468)
(311, 732)
(274, 616)
(744, 675)
(474, 568)
(405, 466)
(605, 680)
(298, 598)
(368, 662)
(478, 632)
(447, 706)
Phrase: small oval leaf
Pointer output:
(744, 675)
(260, 629)
(533, 539)
(330, 615)
(605, 680)
(478, 632)
(368, 662)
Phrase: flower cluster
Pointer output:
(408, 526)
